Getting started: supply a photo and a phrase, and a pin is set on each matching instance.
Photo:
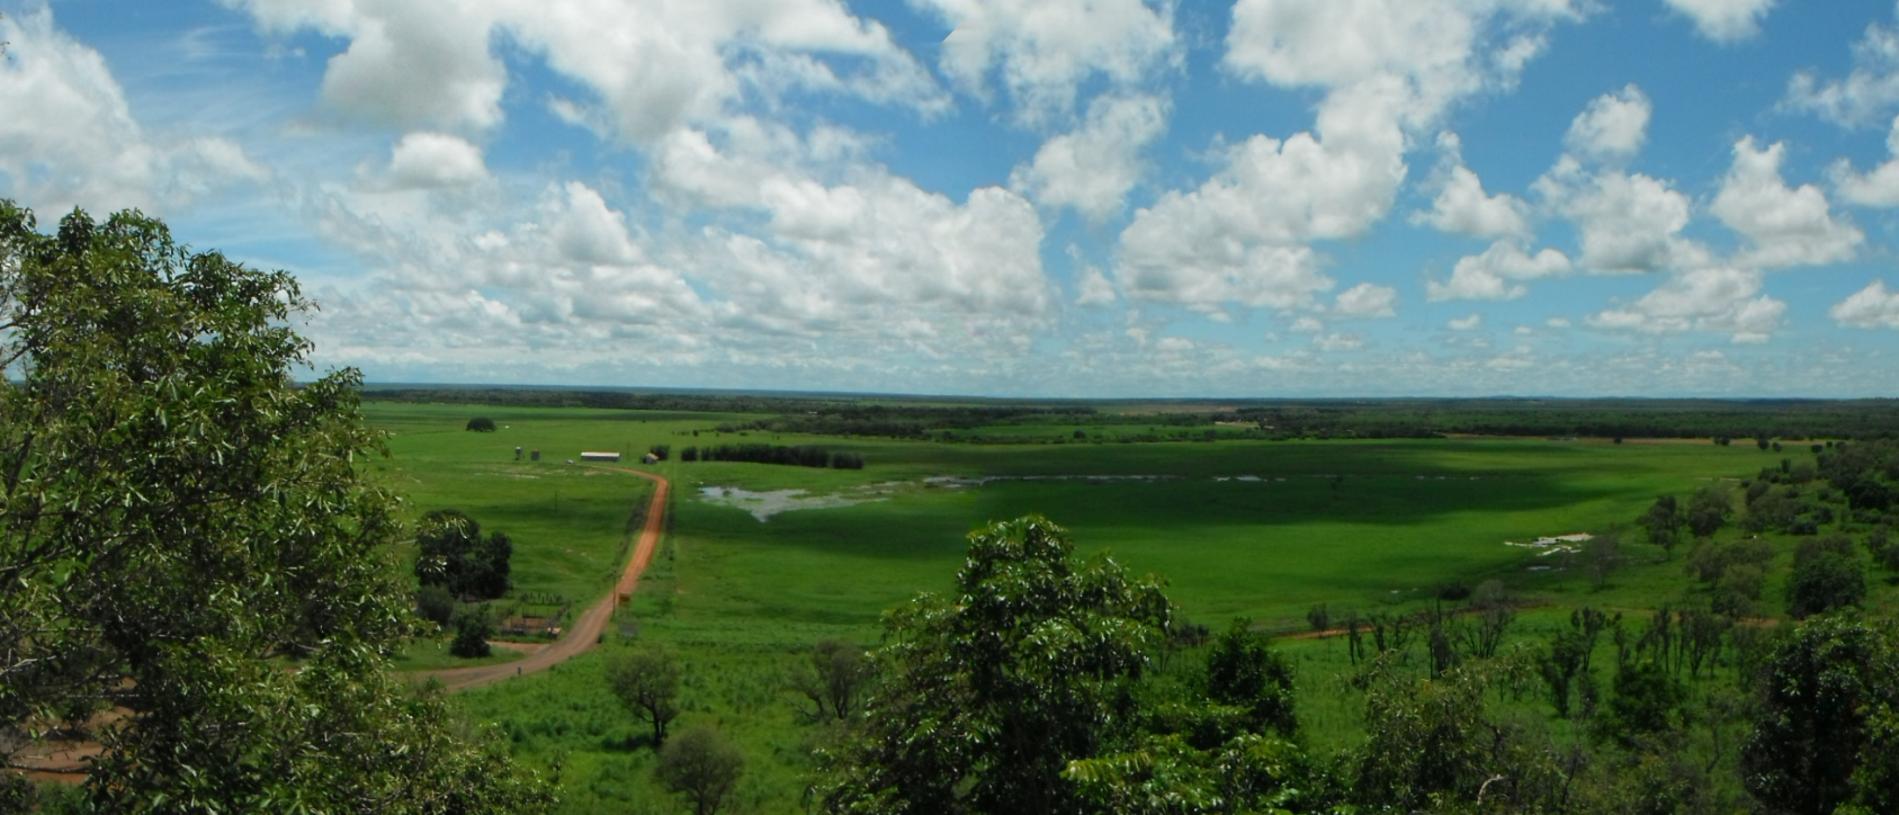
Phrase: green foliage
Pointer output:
(702, 766)
(1709, 510)
(1827, 575)
(435, 604)
(180, 517)
(481, 424)
(452, 553)
(1432, 745)
(647, 683)
(1663, 522)
(472, 630)
(1823, 736)
(1244, 673)
(1647, 700)
(982, 702)
(834, 679)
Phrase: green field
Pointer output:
(1261, 529)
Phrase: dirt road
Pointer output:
(585, 633)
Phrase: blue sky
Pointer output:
(1018, 197)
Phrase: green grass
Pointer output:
(1365, 525)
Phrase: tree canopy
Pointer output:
(178, 513)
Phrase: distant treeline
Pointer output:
(916, 418)
(802, 456)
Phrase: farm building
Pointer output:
(592, 456)
(649, 458)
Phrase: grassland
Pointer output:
(1260, 529)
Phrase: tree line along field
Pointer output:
(1265, 530)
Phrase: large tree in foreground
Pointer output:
(986, 695)
(177, 517)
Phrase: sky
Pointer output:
(1074, 198)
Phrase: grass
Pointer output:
(1365, 525)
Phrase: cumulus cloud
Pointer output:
(1784, 226)
(1878, 187)
(1868, 93)
(1462, 207)
(1366, 300)
(1093, 288)
(1724, 21)
(1499, 273)
(1466, 323)
(1388, 68)
(1721, 299)
(1041, 51)
(651, 68)
(1613, 126)
(1092, 168)
(1870, 307)
(1629, 222)
(1338, 342)
(68, 137)
(429, 160)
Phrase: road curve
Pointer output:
(585, 633)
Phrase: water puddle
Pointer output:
(1555, 544)
(763, 505)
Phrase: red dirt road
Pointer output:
(585, 633)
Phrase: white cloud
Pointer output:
(427, 160)
(1467, 323)
(1629, 222)
(1498, 273)
(1870, 92)
(1784, 226)
(1721, 299)
(68, 137)
(1041, 51)
(1338, 342)
(1461, 206)
(1093, 168)
(1093, 289)
(1613, 126)
(1724, 21)
(653, 67)
(1307, 325)
(1877, 188)
(1173, 345)
(1366, 300)
(1388, 68)
(1870, 307)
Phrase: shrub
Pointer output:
(435, 604)
(472, 630)
(481, 424)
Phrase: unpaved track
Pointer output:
(585, 633)
(65, 761)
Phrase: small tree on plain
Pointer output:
(834, 679)
(472, 630)
(647, 682)
(701, 765)
(481, 424)
(1601, 555)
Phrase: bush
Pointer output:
(702, 766)
(472, 630)
(435, 604)
(660, 451)
(481, 424)
(1823, 581)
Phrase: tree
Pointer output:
(1647, 700)
(181, 517)
(1663, 523)
(701, 765)
(1709, 510)
(1825, 578)
(647, 682)
(985, 698)
(1826, 702)
(472, 630)
(1602, 555)
(435, 604)
(1244, 673)
(481, 424)
(452, 553)
(834, 678)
